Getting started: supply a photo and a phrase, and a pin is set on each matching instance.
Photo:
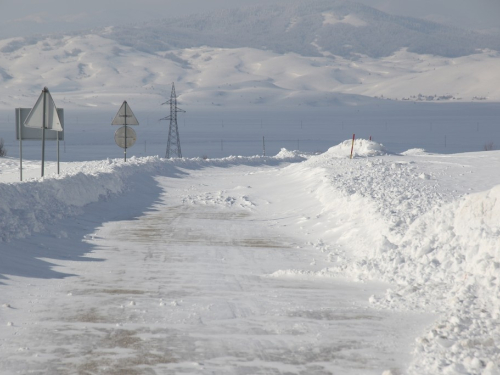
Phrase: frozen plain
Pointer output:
(287, 264)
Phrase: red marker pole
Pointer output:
(352, 147)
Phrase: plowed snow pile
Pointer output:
(33, 205)
(362, 147)
(409, 219)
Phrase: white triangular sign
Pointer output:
(125, 116)
(35, 117)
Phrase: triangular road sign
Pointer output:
(125, 116)
(35, 117)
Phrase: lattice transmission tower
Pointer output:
(174, 142)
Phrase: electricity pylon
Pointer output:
(174, 142)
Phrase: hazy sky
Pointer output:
(25, 17)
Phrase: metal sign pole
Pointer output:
(125, 133)
(49, 121)
(20, 144)
(43, 129)
(57, 152)
(125, 137)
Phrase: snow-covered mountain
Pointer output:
(307, 27)
(308, 53)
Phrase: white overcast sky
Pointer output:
(25, 17)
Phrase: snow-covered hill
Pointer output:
(306, 27)
(93, 71)
(308, 53)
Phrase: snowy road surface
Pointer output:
(186, 288)
(294, 264)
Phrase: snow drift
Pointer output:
(441, 252)
(362, 148)
(33, 206)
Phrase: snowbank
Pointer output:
(414, 151)
(362, 148)
(453, 253)
(33, 206)
(442, 253)
(287, 155)
(464, 237)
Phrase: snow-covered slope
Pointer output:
(92, 71)
(306, 27)
(308, 53)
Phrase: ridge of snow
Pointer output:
(441, 249)
(33, 206)
(361, 148)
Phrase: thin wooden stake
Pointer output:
(352, 147)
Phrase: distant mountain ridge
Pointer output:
(304, 53)
(306, 27)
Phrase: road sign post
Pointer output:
(57, 152)
(44, 93)
(44, 115)
(125, 117)
(20, 132)
(27, 133)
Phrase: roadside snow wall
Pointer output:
(33, 206)
(387, 224)
(453, 255)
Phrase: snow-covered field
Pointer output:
(298, 263)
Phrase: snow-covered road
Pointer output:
(186, 288)
(387, 263)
